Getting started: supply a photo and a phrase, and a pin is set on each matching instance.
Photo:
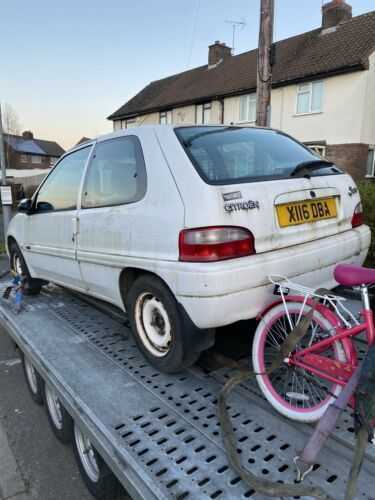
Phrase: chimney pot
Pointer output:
(28, 135)
(218, 52)
(335, 13)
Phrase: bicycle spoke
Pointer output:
(295, 385)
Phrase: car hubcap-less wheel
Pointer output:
(153, 325)
(87, 455)
(54, 408)
(17, 266)
(31, 376)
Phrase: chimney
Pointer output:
(28, 135)
(217, 52)
(335, 13)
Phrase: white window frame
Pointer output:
(165, 117)
(250, 100)
(310, 89)
(36, 159)
(132, 122)
(24, 158)
(117, 125)
(371, 162)
(200, 110)
(52, 160)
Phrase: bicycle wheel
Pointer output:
(293, 391)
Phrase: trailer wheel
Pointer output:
(33, 379)
(18, 265)
(157, 326)
(98, 478)
(60, 420)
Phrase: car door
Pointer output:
(112, 192)
(50, 233)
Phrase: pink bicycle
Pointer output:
(315, 373)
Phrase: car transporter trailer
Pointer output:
(159, 434)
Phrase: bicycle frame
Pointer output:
(332, 370)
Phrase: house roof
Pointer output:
(83, 139)
(313, 54)
(34, 146)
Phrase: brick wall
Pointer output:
(351, 157)
(14, 160)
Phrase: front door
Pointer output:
(115, 183)
(51, 231)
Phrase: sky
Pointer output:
(67, 65)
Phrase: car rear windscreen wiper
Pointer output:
(306, 167)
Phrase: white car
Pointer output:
(181, 227)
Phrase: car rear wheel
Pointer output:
(18, 265)
(158, 327)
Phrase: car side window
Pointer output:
(116, 175)
(60, 190)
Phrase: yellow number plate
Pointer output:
(302, 212)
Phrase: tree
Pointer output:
(11, 123)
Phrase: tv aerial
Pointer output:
(236, 25)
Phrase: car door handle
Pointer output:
(75, 221)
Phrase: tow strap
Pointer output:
(363, 418)
(363, 382)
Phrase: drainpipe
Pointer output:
(221, 101)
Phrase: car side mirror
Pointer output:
(25, 205)
(44, 206)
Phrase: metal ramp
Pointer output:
(159, 433)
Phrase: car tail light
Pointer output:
(210, 244)
(358, 218)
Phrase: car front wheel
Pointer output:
(18, 265)
(158, 327)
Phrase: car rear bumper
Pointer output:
(222, 293)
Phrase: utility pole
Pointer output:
(5, 202)
(264, 77)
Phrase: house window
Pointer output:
(36, 159)
(165, 117)
(24, 159)
(309, 98)
(318, 149)
(52, 160)
(203, 113)
(117, 125)
(131, 123)
(371, 163)
(248, 108)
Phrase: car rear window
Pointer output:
(229, 155)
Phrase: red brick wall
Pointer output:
(14, 161)
(350, 157)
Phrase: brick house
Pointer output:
(25, 152)
(323, 90)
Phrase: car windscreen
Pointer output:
(229, 155)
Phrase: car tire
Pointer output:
(18, 265)
(99, 479)
(60, 420)
(158, 327)
(33, 380)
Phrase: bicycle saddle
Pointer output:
(351, 275)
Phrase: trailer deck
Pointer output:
(160, 433)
